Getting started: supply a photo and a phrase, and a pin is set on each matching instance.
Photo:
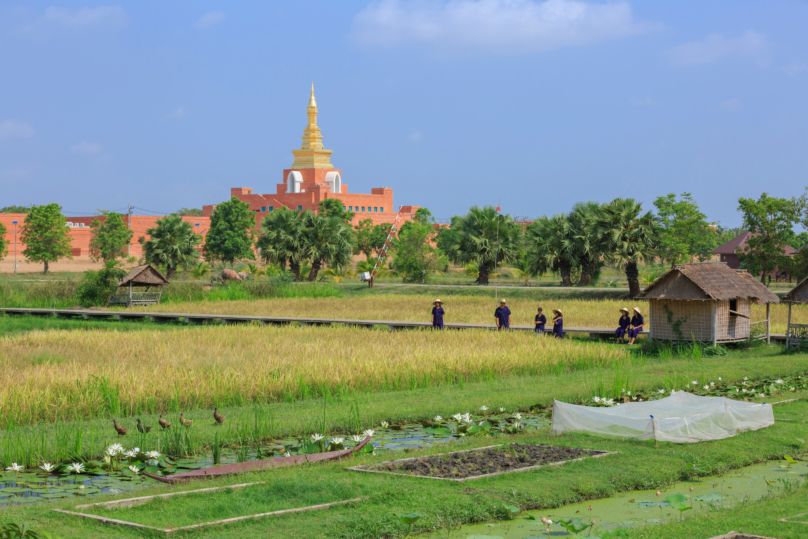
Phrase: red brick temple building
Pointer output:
(312, 178)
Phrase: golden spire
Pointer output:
(312, 153)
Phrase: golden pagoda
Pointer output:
(312, 154)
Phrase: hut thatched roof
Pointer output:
(709, 281)
(737, 244)
(143, 276)
(798, 294)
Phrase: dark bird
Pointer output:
(185, 422)
(163, 423)
(119, 429)
(217, 416)
(141, 427)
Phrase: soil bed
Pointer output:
(461, 465)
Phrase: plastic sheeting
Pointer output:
(680, 418)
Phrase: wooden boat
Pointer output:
(255, 465)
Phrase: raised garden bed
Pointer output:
(483, 461)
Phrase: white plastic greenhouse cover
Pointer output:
(680, 418)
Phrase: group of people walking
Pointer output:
(502, 318)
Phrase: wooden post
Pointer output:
(788, 327)
(129, 303)
(768, 323)
(714, 329)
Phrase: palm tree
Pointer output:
(487, 238)
(628, 237)
(328, 241)
(551, 247)
(586, 247)
(522, 269)
(283, 239)
(337, 273)
(201, 270)
(173, 243)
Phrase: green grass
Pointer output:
(637, 466)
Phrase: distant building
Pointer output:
(729, 252)
(312, 178)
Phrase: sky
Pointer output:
(532, 105)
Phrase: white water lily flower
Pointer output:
(483, 408)
(628, 392)
(385, 424)
(595, 399)
(107, 459)
(719, 378)
(153, 454)
(712, 384)
(516, 425)
(437, 418)
(736, 390)
(744, 390)
(501, 409)
(357, 438)
(609, 402)
(316, 437)
(706, 387)
(457, 417)
(369, 433)
(673, 391)
(518, 416)
(15, 467)
(136, 450)
(337, 441)
(745, 378)
(695, 383)
(287, 454)
(791, 389)
(134, 469)
(634, 398)
(130, 454)
(467, 418)
(778, 382)
(76, 467)
(753, 391)
(47, 466)
(660, 391)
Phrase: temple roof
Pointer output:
(312, 153)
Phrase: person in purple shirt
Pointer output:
(502, 316)
(622, 325)
(437, 314)
(558, 324)
(637, 322)
(540, 321)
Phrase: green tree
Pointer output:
(770, 219)
(231, 234)
(551, 247)
(421, 216)
(328, 241)
(522, 268)
(585, 247)
(333, 207)
(46, 235)
(485, 237)
(3, 241)
(685, 234)
(110, 237)
(370, 238)
(190, 212)
(283, 239)
(96, 287)
(15, 209)
(416, 258)
(173, 244)
(628, 237)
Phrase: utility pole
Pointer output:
(15, 245)
(129, 227)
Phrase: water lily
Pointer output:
(316, 437)
(483, 408)
(595, 399)
(15, 468)
(745, 378)
(287, 454)
(778, 382)
(712, 384)
(467, 418)
(501, 409)
(130, 454)
(385, 424)
(457, 417)
(337, 441)
(695, 383)
(744, 390)
(136, 450)
(153, 454)
(628, 393)
(660, 391)
(706, 387)
(47, 467)
(117, 448)
(518, 416)
(609, 402)
(357, 438)
(719, 378)
(368, 433)
(437, 419)
(107, 459)
(134, 469)
(673, 391)
(76, 467)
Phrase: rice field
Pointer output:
(48, 376)
(459, 308)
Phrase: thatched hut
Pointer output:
(141, 276)
(796, 333)
(706, 302)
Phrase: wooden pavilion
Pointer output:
(706, 302)
(141, 276)
(796, 334)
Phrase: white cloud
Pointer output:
(731, 104)
(87, 148)
(179, 113)
(415, 136)
(715, 47)
(85, 17)
(209, 19)
(795, 69)
(15, 129)
(504, 26)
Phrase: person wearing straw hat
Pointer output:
(540, 321)
(622, 325)
(502, 316)
(558, 324)
(437, 314)
(637, 322)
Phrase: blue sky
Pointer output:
(166, 105)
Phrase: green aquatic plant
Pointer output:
(677, 501)
(575, 525)
(409, 520)
(511, 511)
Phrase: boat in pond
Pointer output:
(256, 465)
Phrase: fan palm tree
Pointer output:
(522, 269)
(201, 270)
(173, 243)
(487, 238)
(328, 240)
(551, 247)
(585, 244)
(283, 239)
(628, 237)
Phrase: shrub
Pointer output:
(97, 286)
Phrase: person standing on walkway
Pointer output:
(502, 316)
(558, 324)
(622, 325)
(637, 322)
(540, 321)
(437, 314)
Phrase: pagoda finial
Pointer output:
(312, 102)
(312, 154)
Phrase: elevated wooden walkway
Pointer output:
(196, 318)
